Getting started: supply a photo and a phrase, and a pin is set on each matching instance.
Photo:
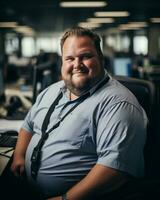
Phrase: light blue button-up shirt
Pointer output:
(108, 128)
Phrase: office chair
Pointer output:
(145, 93)
(143, 90)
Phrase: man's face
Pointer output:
(81, 65)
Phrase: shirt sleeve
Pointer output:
(29, 119)
(27, 124)
(120, 140)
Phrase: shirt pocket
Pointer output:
(74, 129)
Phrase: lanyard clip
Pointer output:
(35, 162)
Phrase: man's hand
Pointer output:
(18, 166)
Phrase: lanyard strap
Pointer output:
(36, 155)
(50, 111)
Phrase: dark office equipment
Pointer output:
(14, 104)
(42, 77)
(11, 133)
(46, 73)
(2, 86)
(14, 108)
(8, 139)
(18, 115)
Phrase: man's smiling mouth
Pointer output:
(81, 71)
(78, 72)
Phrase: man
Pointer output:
(91, 141)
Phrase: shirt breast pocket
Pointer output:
(75, 128)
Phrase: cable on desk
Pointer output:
(4, 153)
(1, 154)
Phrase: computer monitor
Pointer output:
(42, 77)
(36, 84)
(122, 66)
(45, 73)
(2, 85)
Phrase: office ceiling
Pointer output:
(47, 15)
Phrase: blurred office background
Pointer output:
(30, 33)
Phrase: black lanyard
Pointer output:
(36, 155)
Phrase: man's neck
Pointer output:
(73, 96)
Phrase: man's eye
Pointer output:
(69, 59)
(88, 56)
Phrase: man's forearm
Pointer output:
(99, 178)
(18, 164)
(24, 138)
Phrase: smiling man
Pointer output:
(84, 136)
(82, 64)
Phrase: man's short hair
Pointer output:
(79, 31)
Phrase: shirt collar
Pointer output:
(93, 89)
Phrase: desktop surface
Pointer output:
(8, 136)
(5, 156)
(15, 107)
(10, 125)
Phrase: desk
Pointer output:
(6, 152)
(5, 155)
(10, 125)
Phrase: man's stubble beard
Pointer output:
(78, 89)
(81, 88)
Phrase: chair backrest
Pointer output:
(145, 93)
(143, 90)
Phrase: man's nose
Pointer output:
(77, 63)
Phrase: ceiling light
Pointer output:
(133, 25)
(25, 30)
(8, 24)
(89, 25)
(83, 4)
(155, 20)
(101, 20)
(136, 24)
(112, 14)
(129, 28)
